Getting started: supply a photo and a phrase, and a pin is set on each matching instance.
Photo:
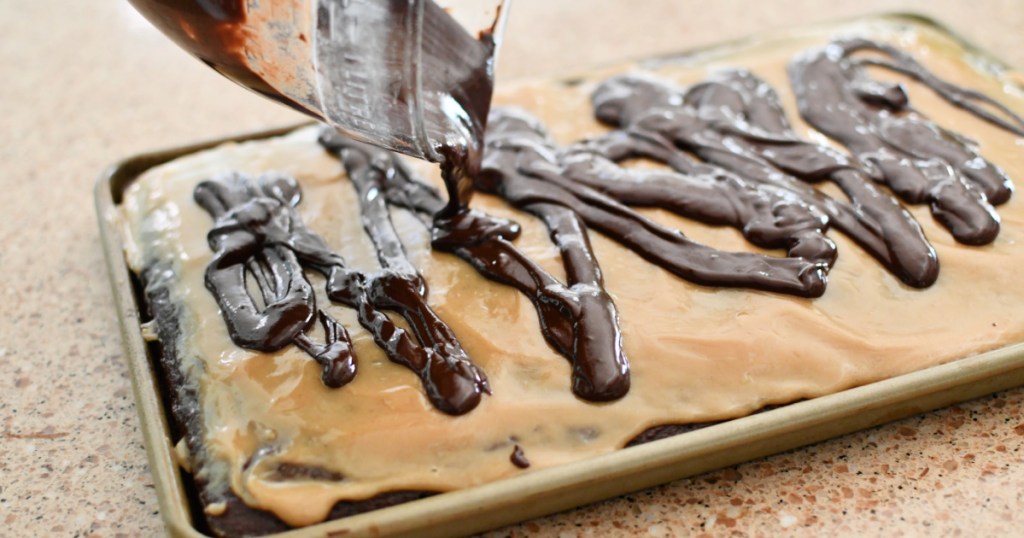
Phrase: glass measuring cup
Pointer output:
(412, 76)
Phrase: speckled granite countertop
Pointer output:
(87, 83)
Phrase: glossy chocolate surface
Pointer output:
(729, 157)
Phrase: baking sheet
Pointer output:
(547, 490)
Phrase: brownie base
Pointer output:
(182, 396)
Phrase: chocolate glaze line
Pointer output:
(767, 217)
(735, 123)
(965, 98)
(918, 160)
(578, 318)
(453, 383)
(522, 165)
(258, 233)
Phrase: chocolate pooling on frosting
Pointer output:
(729, 156)
(258, 237)
(898, 146)
(735, 123)
(258, 234)
(525, 167)
(578, 318)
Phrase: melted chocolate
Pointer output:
(523, 166)
(518, 458)
(735, 123)
(754, 174)
(259, 235)
(578, 319)
(259, 238)
(920, 161)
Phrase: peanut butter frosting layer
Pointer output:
(696, 353)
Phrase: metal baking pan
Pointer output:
(547, 490)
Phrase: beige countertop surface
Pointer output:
(89, 82)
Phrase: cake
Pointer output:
(672, 242)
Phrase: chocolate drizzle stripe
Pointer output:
(735, 123)
(520, 165)
(578, 318)
(450, 378)
(920, 161)
(258, 231)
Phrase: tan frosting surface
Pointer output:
(697, 354)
